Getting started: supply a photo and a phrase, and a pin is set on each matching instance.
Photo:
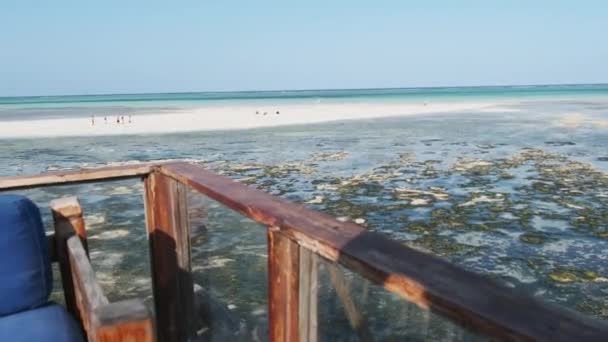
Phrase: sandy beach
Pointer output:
(225, 118)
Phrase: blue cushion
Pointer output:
(25, 267)
(50, 323)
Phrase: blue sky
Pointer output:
(84, 47)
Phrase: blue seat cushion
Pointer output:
(25, 266)
(50, 323)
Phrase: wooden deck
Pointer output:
(472, 301)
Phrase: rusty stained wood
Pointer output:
(68, 215)
(84, 297)
(102, 321)
(87, 292)
(469, 299)
(283, 287)
(68, 221)
(76, 176)
(308, 296)
(127, 320)
(169, 235)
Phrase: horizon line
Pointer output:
(309, 89)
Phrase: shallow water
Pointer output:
(37, 107)
(520, 196)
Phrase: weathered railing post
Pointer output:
(283, 287)
(67, 217)
(309, 296)
(102, 321)
(169, 234)
(461, 296)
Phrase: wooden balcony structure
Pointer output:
(294, 234)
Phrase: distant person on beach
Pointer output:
(92, 120)
(257, 112)
(105, 119)
(122, 118)
(277, 112)
(129, 118)
(117, 119)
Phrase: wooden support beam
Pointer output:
(87, 292)
(100, 174)
(127, 320)
(169, 235)
(68, 221)
(68, 215)
(471, 300)
(102, 321)
(283, 287)
(309, 296)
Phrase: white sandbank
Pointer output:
(225, 118)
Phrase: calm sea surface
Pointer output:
(519, 195)
(21, 108)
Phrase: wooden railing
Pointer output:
(102, 321)
(294, 233)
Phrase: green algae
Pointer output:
(597, 308)
(442, 247)
(474, 196)
(419, 227)
(504, 175)
(536, 264)
(533, 238)
(563, 276)
(447, 219)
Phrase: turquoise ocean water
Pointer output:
(519, 195)
(19, 108)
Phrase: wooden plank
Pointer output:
(83, 295)
(308, 296)
(76, 176)
(102, 321)
(283, 287)
(127, 320)
(87, 292)
(68, 221)
(169, 235)
(67, 211)
(471, 300)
